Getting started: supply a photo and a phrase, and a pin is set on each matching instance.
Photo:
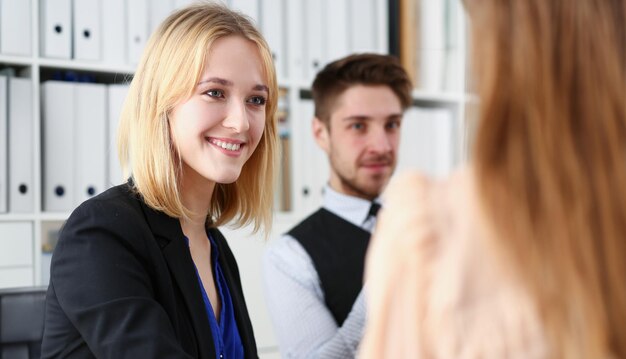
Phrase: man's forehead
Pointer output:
(366, 104)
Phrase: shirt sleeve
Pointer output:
(304, 326)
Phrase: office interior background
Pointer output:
(64, 70)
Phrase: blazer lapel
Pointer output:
(169, 235)
(228, 265)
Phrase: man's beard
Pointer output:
(361, 191)
(351, 185)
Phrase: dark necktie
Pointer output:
(373, 210)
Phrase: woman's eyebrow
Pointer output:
(261, 87)
(224, 82)
(217, 80)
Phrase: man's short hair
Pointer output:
(359, 69)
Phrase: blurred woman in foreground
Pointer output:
(522, 254)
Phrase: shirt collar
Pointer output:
(352, 209)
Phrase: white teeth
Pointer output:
(226, 145)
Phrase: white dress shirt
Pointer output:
(304, 326)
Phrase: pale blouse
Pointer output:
(436, 287)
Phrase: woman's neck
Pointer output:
(196, 195)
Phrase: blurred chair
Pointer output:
(21, 322)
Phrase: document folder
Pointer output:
(21, 160)
(4, 178)
(15, 18)
(90, 126)
(58, 145)
(56, 28)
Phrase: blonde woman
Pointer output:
(142, 271)
(522, 254)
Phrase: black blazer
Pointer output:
(123, 285)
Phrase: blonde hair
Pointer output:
(170, 68)
(551, 160)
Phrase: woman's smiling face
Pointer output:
(218, 128)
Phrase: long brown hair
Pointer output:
(550, 155)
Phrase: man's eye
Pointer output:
(358, 126)
(394, 124)
(215, 93)
(257, 100)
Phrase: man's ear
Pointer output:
(321, 135)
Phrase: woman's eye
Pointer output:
(257, 100)
(215, 93)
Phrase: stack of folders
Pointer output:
(78, 141)
(438, 59)
(304, 35)
(113, 32)
(16, 154)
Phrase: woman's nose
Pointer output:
(236, 117)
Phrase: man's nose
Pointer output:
(379, 140)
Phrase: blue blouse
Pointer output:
(225, 333)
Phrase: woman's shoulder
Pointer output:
(441, 213)
(472, 283)
(433, 238)
(439, 196)
(120, 195)
(418, 180)
(118, 205)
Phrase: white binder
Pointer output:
(87, 29)
(16, 254)
(445, 139)
(4, 177)
(273, 28)
(295, 40)
(114, 37)
(159, 10)
(116, 96)
(21, 184)
(12, 277)
(427, 141)
(58, 145)
(314, 34)
(16, 244)
(90, 141)
(337, 19)
(432, 49)
(248, 7)
(363, 26)
(411, 150)
(137, 35)
(56, 28)
(316, 171)
(15, 18)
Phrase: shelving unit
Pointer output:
(308, 35)
(432, 47)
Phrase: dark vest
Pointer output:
(337, 248)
